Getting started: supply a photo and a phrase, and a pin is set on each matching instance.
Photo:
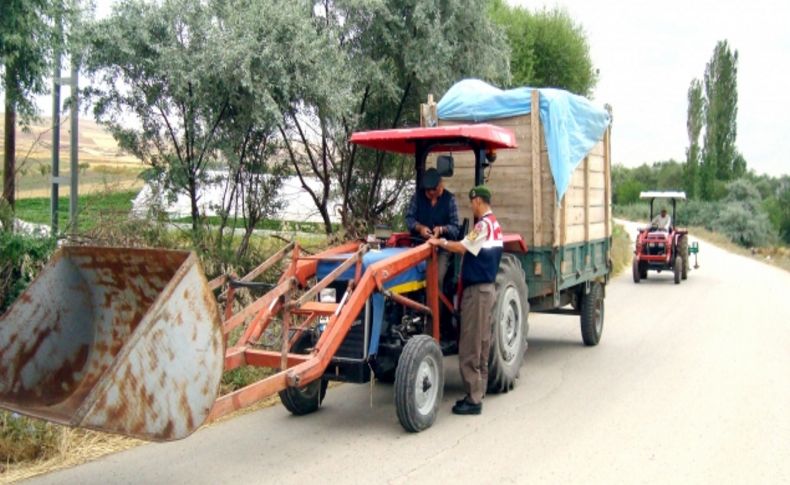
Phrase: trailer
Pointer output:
(135, 341)
(562, 213)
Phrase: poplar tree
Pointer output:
(694, 124)
(721, 92)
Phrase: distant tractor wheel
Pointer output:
(683, 250)
(419, 383)
(678, 269)
(636, 270)
(304, 400)
(643, 270)
(592, 315)
(509, 326)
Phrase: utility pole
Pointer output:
(73, 180)
(56, 129)
(75, 169)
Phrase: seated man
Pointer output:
(661, 222)
(433, 212)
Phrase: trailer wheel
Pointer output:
(509, 325)
(683, 249)
(636, 270)
(592, 315)
(678, 269)
(304, 400)
(419, 383)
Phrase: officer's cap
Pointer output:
(480, 191)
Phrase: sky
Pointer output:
(648, 53)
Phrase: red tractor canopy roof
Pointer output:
(405, 140)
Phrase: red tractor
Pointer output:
(661, 245)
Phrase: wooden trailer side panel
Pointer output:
(520, 186)
(523, 203)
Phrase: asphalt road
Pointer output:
(690, 384)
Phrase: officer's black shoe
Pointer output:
(464, 406)
(465, 398)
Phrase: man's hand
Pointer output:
(438, 231)
(437, 242)
(425, 232)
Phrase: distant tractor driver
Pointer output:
(662, 221)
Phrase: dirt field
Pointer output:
(102, 164)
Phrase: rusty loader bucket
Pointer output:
(121, 340)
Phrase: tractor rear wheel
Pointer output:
(636, 270)
(592, 315)
(304, 400)
(419, 383)
(683, 250)
(678, 269)
(509, 325)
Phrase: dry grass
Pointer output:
(72, 447)
(622, 249)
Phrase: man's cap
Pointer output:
(430, 179)
(480, 191)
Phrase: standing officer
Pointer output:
(434, 213)
(482, 249)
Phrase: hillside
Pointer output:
(96, 143)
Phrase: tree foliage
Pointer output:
(390, 54)
(547, 48)
(721, 160)
(26, 42)
(197, 80)
(694, 124)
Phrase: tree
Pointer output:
(547, 48)
(389, 56)
(694, 122)
(26, 42)
(158, 62)
(721, 92)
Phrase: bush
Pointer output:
(743, 225)
(21, 258)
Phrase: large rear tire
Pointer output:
(509, 325)
(419, 383)
(304, 400)
(683, 250)
(678, 269)
(637, 272)
(592, 315)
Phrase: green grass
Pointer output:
(92, 208)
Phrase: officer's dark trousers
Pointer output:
(475, 340)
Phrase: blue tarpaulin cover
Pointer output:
(572, 124)
(416, 273)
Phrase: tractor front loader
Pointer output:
(134, 341)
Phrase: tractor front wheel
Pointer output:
(304, 400)
(636, 270)
(509, 325)
(419, 383)
(592, 315)
(307, 399)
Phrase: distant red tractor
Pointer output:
(661, 245)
